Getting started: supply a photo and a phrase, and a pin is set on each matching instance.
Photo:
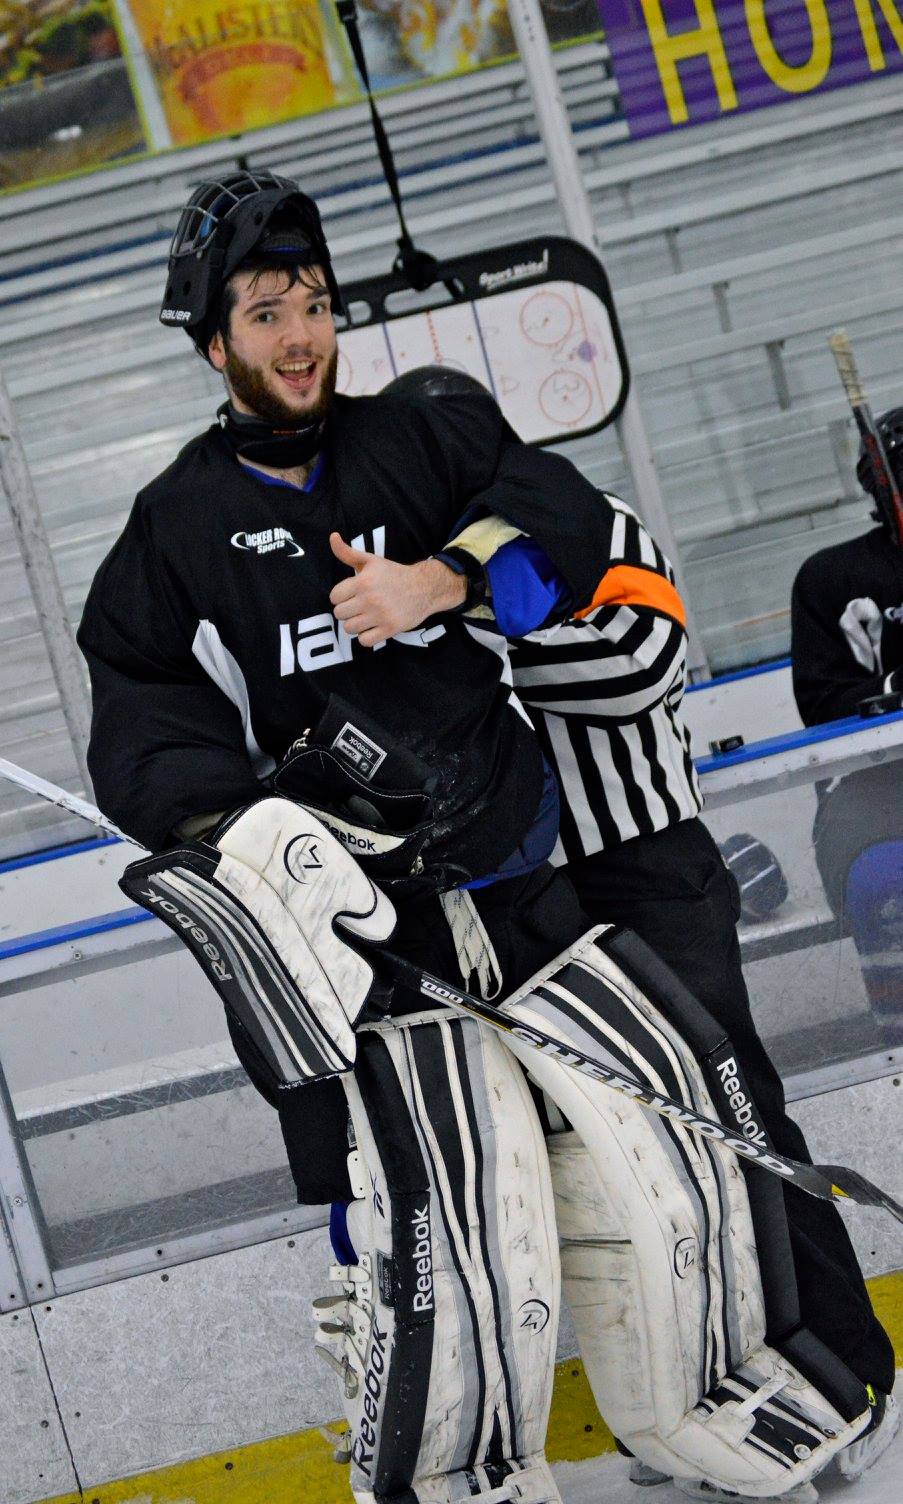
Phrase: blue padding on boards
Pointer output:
(773, 745)
(54, 853)
(737, 673)
(62, 934)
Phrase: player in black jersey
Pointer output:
(846, 618)
(847, 648)
(274, 592)
(283, 610)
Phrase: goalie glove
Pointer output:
(264, 904)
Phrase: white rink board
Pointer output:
(547, 353)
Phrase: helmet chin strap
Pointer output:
(263, 444)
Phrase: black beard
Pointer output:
(248, 384)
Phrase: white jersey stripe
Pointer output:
(642, 772)
(572, 788)
(600, 742)
(605, 693)
(222, 667)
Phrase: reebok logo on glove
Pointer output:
(302, 858)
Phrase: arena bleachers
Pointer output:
(733, 251)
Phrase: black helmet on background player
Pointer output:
(890, 428)
(223, 222)
(436, 381)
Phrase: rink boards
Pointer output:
(156, 1277)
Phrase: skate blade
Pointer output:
(860, 1455)
(644, 1475)
(803, 1493)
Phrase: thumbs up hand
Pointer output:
(382, 598)
(355, 558)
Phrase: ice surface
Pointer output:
(604, 1481)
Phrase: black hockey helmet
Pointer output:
(437, 381)
(223, 222)
(890, 427)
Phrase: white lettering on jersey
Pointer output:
(269, 540)
(861, 626)
(321, 642)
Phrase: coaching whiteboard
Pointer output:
(549, 348)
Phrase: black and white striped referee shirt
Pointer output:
(604, 691)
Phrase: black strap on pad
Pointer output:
(736, 1107)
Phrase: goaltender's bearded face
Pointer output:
(279, 355)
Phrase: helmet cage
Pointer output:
(218, 228)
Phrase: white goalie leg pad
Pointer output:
(263, 905)
(443, 1328)
(659, 1261)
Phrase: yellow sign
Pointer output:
(84, 83)
(221, 68)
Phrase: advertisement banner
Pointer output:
(221, 69)
(67, 100)
(682, 62)
(87, 82)
(409, 41)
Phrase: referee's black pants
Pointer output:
(674, 891)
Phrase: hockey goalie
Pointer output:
(443, 1312)
(302, 702)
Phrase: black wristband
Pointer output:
(460, 562)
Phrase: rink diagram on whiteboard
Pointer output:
(547, 353)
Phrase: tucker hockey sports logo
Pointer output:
(269, 540)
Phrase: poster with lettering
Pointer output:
(220, 68)
(682, 62)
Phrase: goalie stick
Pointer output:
(826, 1182)
(61, 798)
(842, 350)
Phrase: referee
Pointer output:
(603, 688)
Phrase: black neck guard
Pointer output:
(261, 444)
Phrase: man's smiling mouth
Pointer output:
(297, 373)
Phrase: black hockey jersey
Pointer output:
(847, 626)
(212, 644)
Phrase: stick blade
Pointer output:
(845, 360)
(850, 1185)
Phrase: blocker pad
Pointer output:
(264, 904)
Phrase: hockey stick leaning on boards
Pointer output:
(882, 470)
(826, 1182)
